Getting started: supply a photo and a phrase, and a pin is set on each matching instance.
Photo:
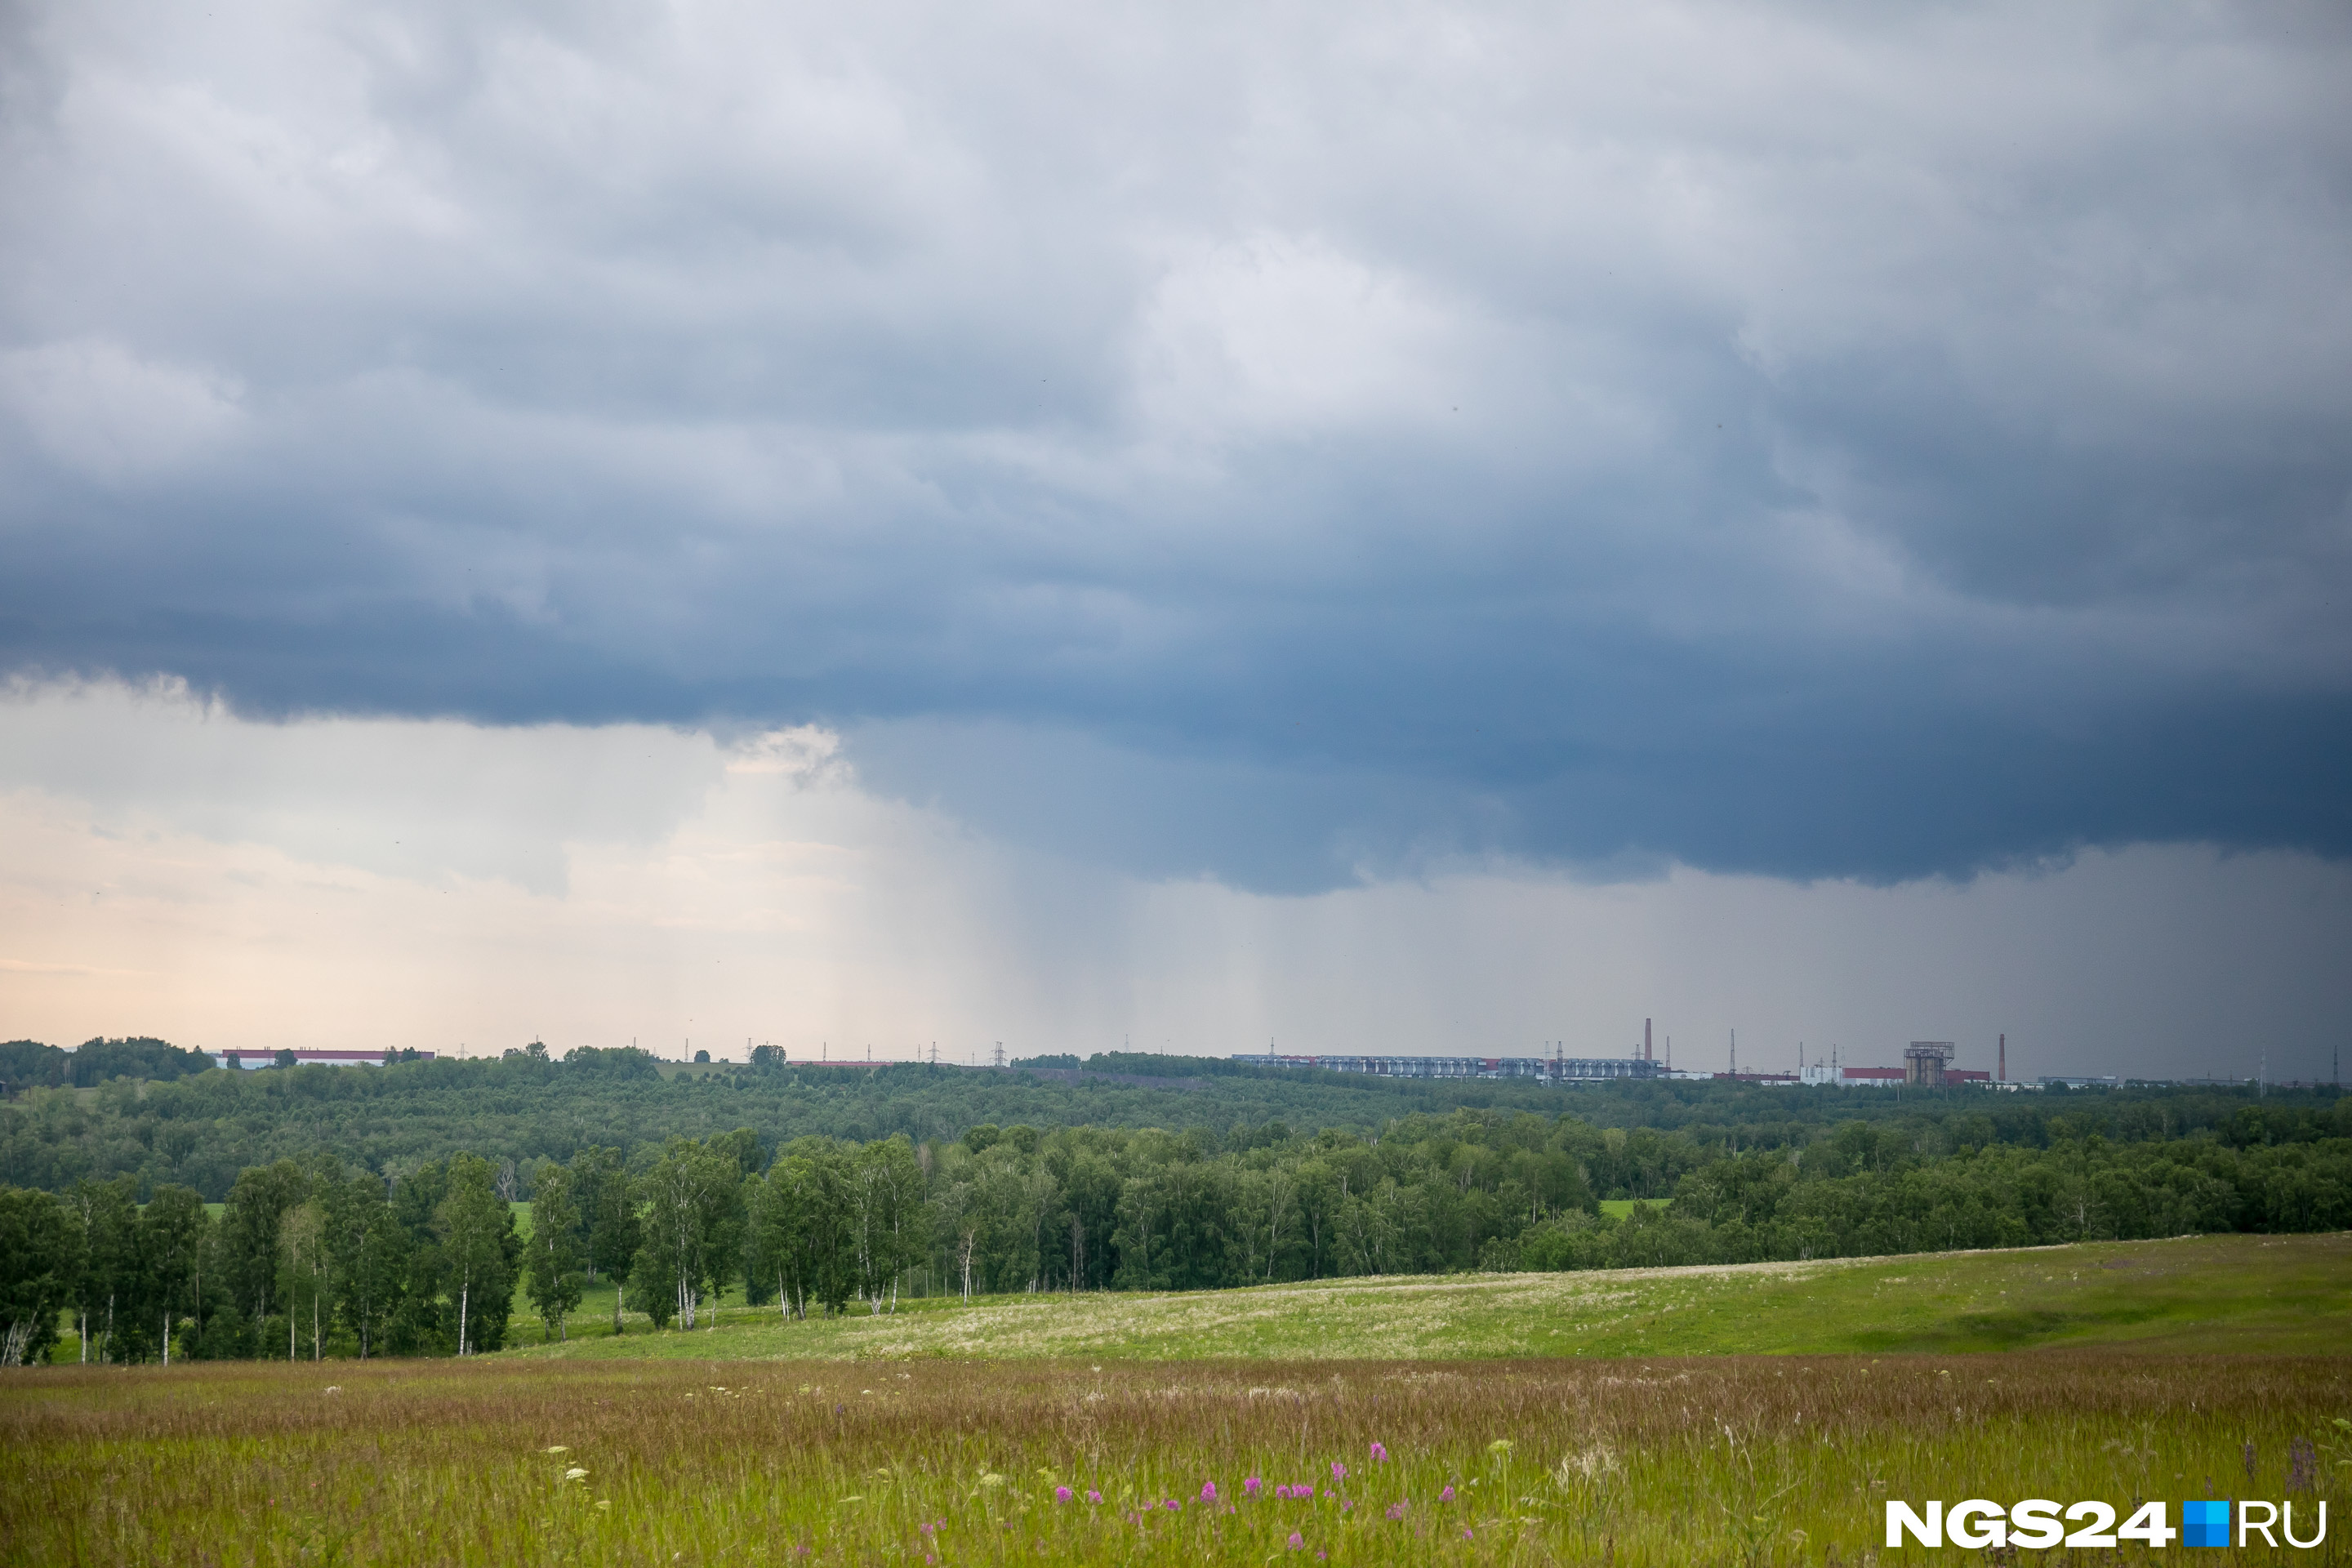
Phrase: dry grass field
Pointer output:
(1732, 1460)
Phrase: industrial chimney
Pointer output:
(1648, 1052)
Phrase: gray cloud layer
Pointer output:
(1273, 442)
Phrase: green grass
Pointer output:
(1577, 1418)
(2290, 1295)
(1763, 1462)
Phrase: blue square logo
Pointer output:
(2205, 1525)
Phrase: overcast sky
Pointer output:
(1418, 527)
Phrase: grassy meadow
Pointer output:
(2284, 1294)
(1623, 1419)
(507, 1462)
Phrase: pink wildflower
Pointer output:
(1379, 1453)
(1396, 1511)
(1296, 1540)
(1061, 1494)
(1208, 1491)
(1171, 1505)
(1339, 1471)
(1446, 1496)
(1250, 1486)
(1093, 1496)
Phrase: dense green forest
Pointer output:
(200, 1128)
(27, 1064)
(387, 1245)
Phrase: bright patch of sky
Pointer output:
(371, 882)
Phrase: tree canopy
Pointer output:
(311, 1258)
(202, 1129)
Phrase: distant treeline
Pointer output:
(163, 1117)
(312, 1258)
(28, 1064)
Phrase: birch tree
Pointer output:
(891, 1228)
(367, 1250)
(789, 1210)
(693, 1231)
(106, 1217)
(479, 1246)
(256, 1204)
(590, 1172)
(173, 1231)
(553, 1271)
(613, 1235)
(302, 1282)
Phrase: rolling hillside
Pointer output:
(2289, 1294)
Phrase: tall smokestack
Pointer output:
(2003, 1076)
(1648, 1054)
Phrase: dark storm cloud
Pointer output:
(1275, 444)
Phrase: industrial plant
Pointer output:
(1926, 1064)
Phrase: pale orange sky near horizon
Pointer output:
(177, 871)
